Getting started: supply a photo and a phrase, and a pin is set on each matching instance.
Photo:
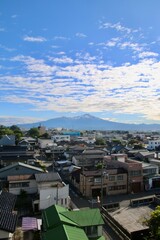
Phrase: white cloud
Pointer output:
(34, 39)
(117, 26)
(14, 16)
(85, 85)
(148, 54)
(81, 35)
(62, 60)
(7, 48)
(61, 38)
(12, 120)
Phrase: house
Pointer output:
(59, 138)
(26, 143)
(17, 169)
(30, 140)
(8, 218)
(22, 182)
(111, 181)
(153, 144)
(51, 190)
(144, 155)
(9, 154)
(133, 168)
(89, 157)
(45, 143)
(66, 225)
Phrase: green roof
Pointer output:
(65, 232)
(84, 218)
(52, 217)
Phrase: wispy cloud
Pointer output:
(62, 60)
(61, 38)
(7, 48)
(148, 54)
(34, 39)
(14, 16)
(117, 26)
(85, 86)
(11, 120)
(81, 35)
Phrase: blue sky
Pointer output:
(67, 58)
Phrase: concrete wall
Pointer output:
(50, 196)
(17, 190)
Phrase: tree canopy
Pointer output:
(33, 132)
(154, 225)
(13, 130)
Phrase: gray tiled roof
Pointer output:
(7, 201)
(47, 177)
(8, 221)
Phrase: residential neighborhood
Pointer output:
(43, 182)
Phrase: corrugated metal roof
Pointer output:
(84, 218)
(47, 177)
(52, 217)
(20, 164)
(65, 232)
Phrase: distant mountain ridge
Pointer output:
(89, 122)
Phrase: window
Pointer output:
(19, 185)
(135, 173)
(92, 230)
(115, 188)
(97, 180)
(111, 178)
(120, 177)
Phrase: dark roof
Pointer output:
(8, 221)
(7, 201)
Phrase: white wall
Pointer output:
(49, 196)
(58, 138)
(152, 144)
(33, 188)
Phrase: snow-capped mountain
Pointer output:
(89, 122)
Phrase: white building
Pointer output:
(51, 190)
(152, 144)
(22, 182)
(59, 138)
(45, 143)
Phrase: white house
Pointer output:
(59, 138)
(22, 182)
(51, 190)
(152, 144)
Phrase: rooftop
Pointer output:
(132, 218)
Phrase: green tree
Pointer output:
(33, 132)
(154, 225)
(100, 141)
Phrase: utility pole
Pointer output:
(101, 201)
(57, 195)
